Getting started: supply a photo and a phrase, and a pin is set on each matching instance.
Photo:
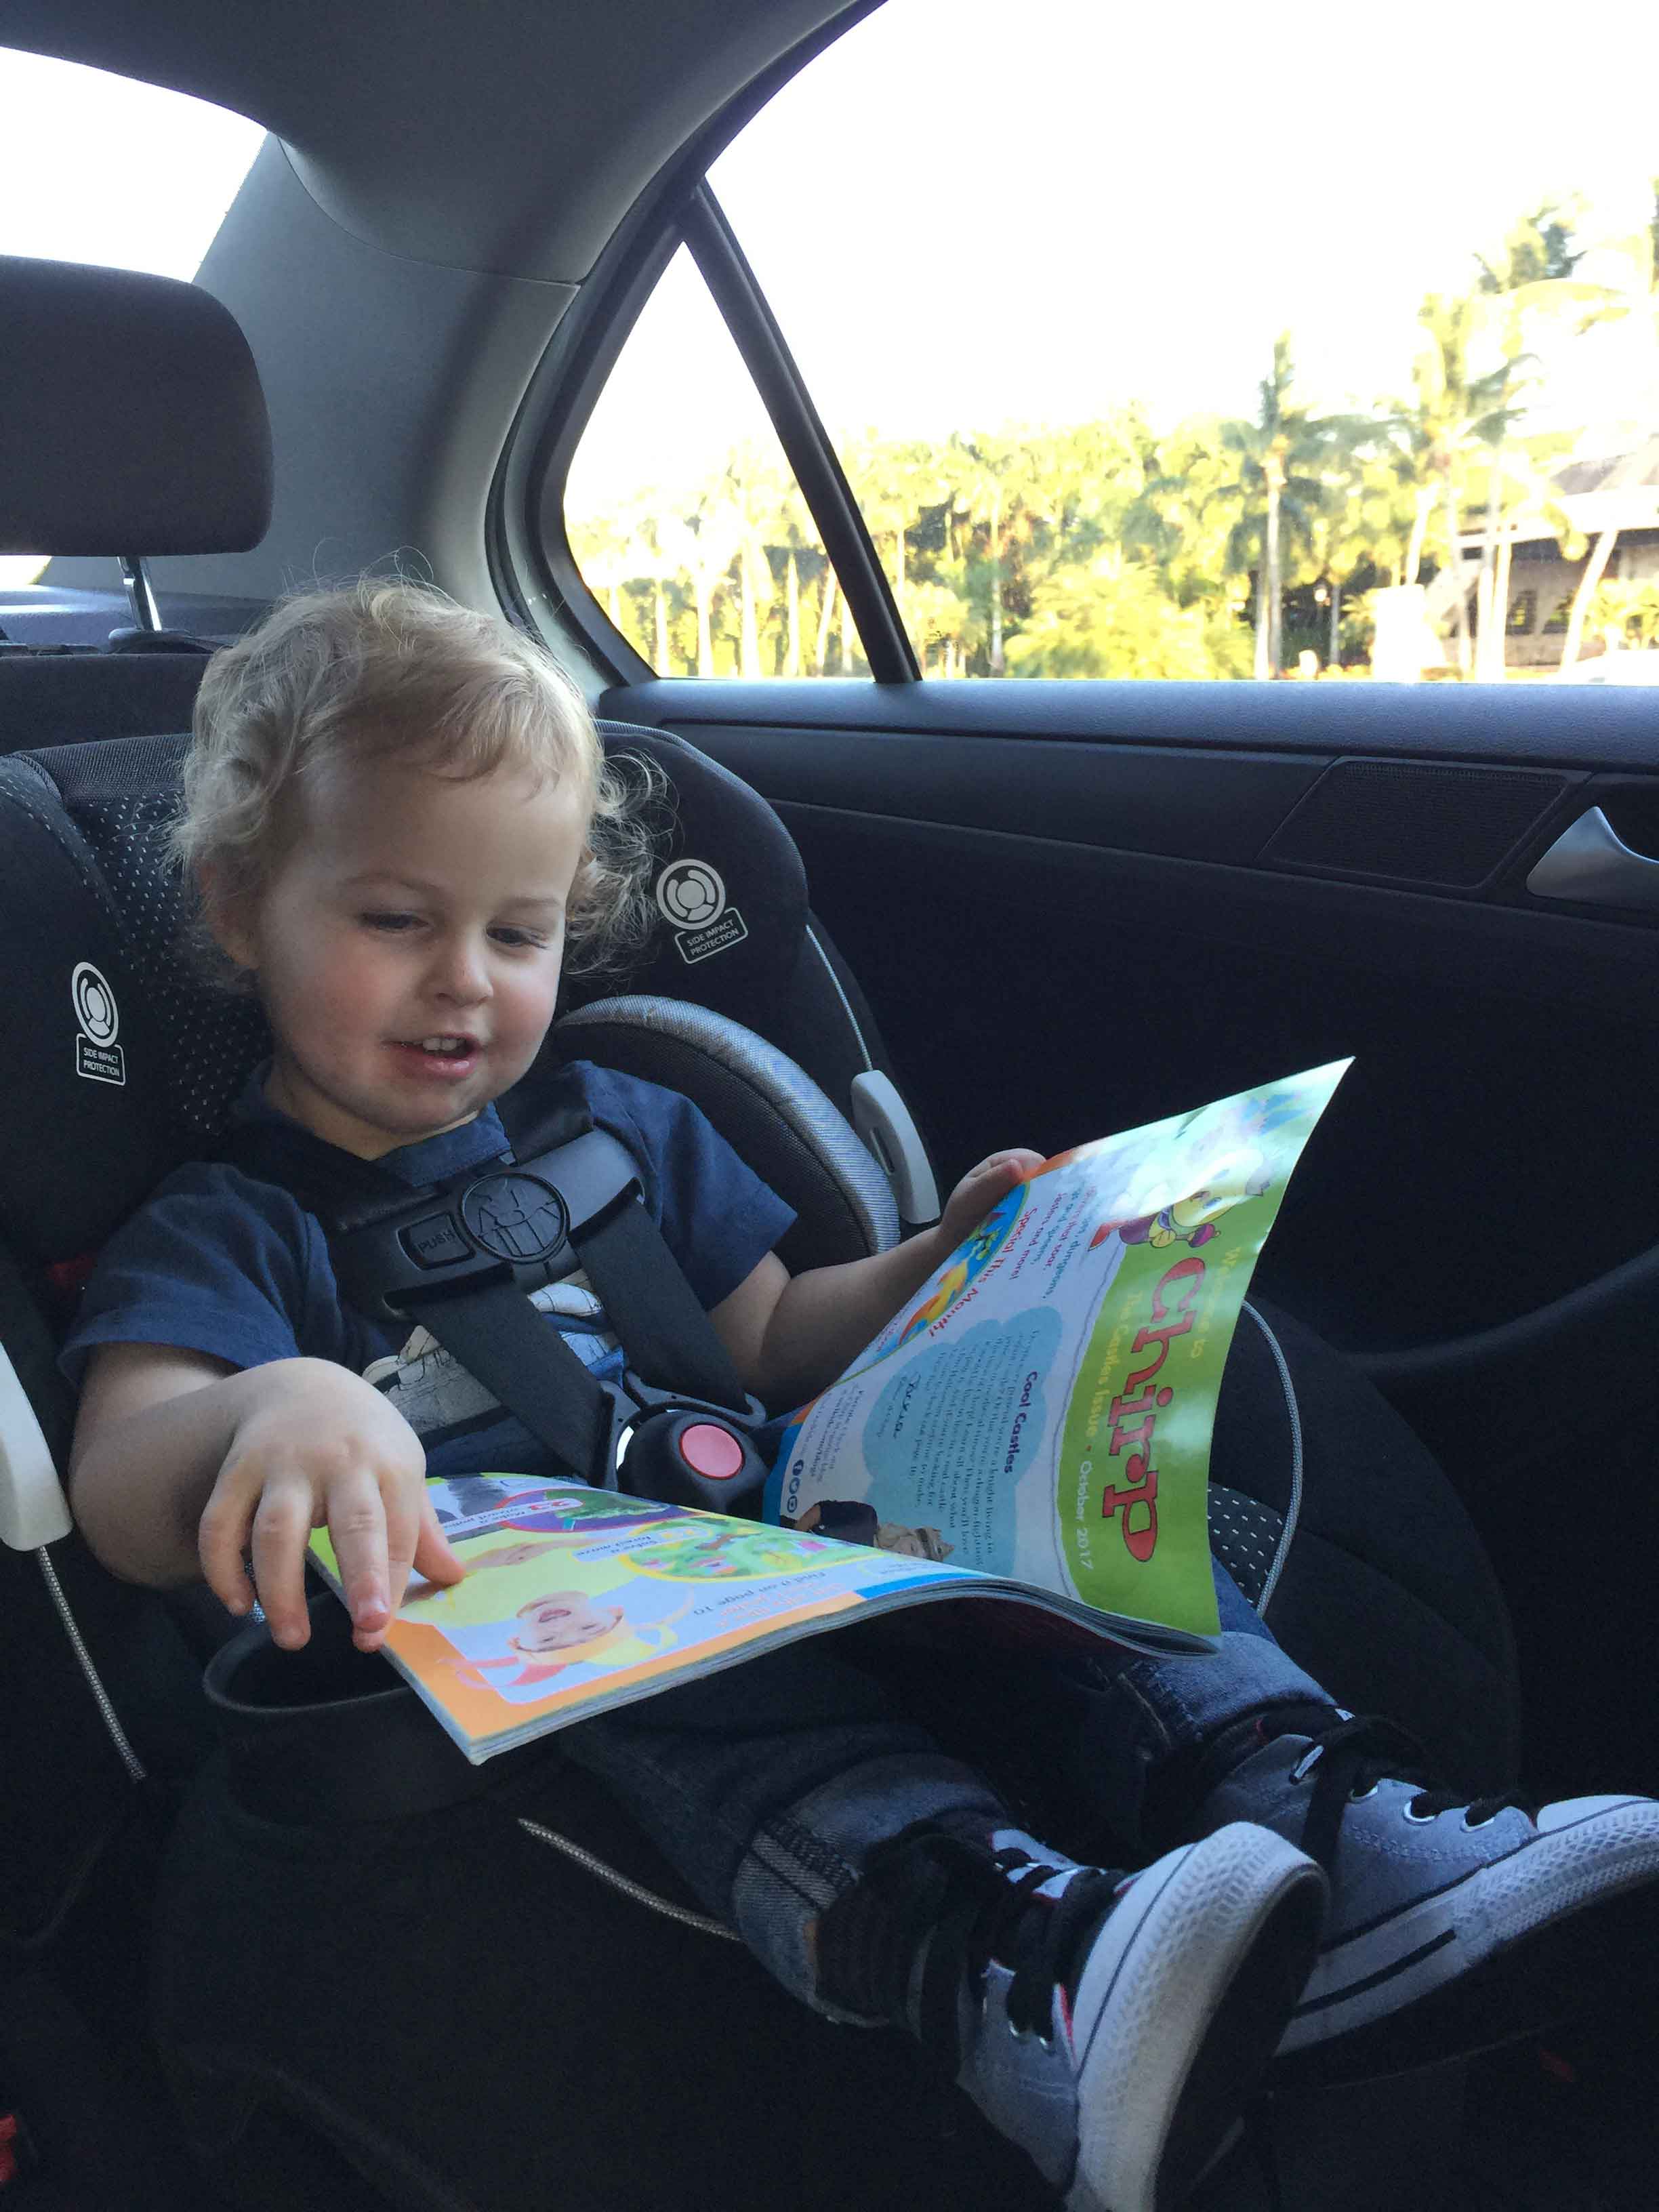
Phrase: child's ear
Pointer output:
(228, 919)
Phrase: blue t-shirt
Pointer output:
(219, 1262)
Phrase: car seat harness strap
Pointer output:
(461, 1257)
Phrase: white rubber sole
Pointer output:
(1595, 1851)
(1212, 1945)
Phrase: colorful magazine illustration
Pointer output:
(1044, 1407)
(1030, 1434)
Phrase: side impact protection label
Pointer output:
(692, 897)
(97, 1055)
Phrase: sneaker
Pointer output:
(1453, 1926)
(1111, 2026)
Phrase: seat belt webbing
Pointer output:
(669, 1340)
(504, 1343)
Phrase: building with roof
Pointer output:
(1617, 493)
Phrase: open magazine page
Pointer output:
(1044, 1408)
(575, 1599)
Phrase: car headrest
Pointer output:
(131, 417)
(123, 1060)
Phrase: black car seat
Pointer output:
(121, 1066)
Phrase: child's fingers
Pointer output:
(435, 1556)
(981, 1186)
(402, 1523)
(281, 1530)
(1008, 1167)
(415, 1543)
(220, 1544)
(357, 1526)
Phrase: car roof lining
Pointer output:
(511, 140)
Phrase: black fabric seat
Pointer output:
(1380, 1591)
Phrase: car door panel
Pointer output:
(1063, 936)
(1076, 907)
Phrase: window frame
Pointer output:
(527, 542)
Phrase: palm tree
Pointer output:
(1284, 459)
(1517, 481)
(1184, 520)
(649, 560)
(1640, 298)
(1626, 472)
(994, 478)
(795, 532)
(1367, 524)
(894, 481)
(1529, 284)
(1460, 422)
(1452, 411)
(703, 542)
(826, 616)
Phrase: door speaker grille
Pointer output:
(1412, 821)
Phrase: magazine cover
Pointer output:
(1042, 1409)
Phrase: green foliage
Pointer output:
(1102, 549)
(1626, 613)
(1536, 250)
(1113, 616)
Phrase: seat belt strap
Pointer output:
(505, 1344)
(488, 1323)
(669, 1340)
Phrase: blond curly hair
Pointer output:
(382, 669)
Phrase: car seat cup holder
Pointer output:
(329, 1733)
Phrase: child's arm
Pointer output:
(790, 1335)
(181, 1465)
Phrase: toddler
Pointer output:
(400, 822)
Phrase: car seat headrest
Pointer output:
(124, 1058)
(730, 888)
(131, 417)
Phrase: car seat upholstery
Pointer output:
(122, 1062)
(95, 753)
(131, 422)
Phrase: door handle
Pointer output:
(1591, 862)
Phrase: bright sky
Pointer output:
(99, 168)
(1048, 209)
(964, 213)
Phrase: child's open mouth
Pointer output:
(440, 1056)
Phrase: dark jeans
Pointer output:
(768, 1786)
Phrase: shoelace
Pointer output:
(1348, 1761)
(968, 1905)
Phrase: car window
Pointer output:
(1145, 368)
(100, 168)
(684, 516)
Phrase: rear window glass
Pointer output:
(101, 168)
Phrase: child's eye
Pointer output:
(389, 922)
(516, 938)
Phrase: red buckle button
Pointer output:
(711, 1452)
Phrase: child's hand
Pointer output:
(325, 1449)
(979, 1191)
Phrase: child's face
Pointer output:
(408, 947)
(566, 1618)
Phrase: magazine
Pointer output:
(1030, 1434)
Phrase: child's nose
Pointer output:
(463, 974)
